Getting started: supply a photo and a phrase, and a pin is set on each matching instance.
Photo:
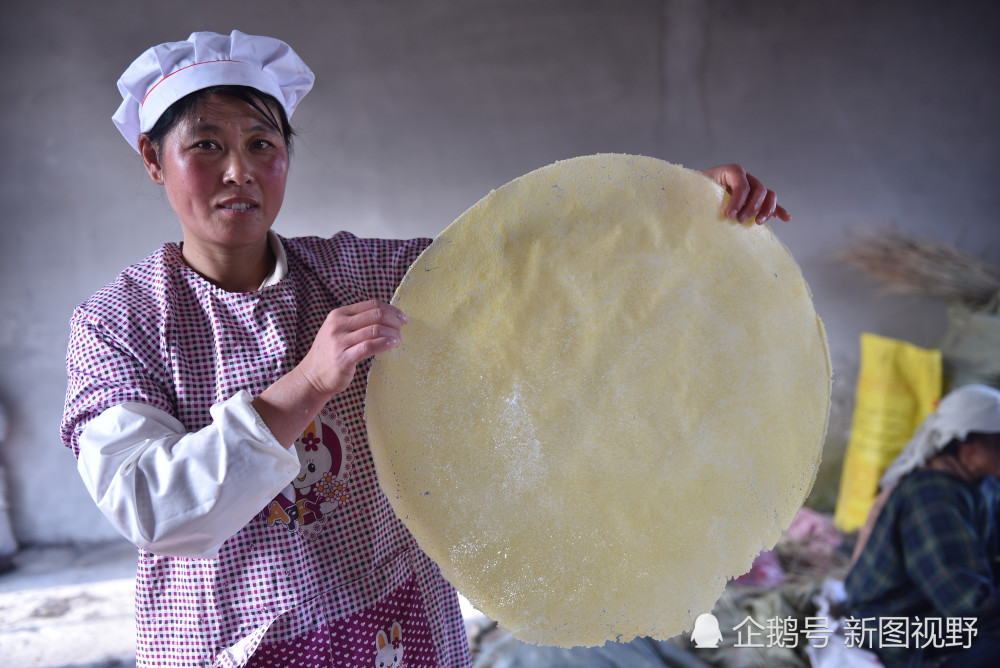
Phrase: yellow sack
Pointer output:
(899, 384)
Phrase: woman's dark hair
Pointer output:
(261, 102)
(951, 449)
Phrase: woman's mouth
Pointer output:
(238, 207)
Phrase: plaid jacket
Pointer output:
(933, 552)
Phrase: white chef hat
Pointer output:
(167, 72)
(968, 409)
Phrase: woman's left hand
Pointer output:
(748, 196)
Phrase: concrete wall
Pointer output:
(858, 112)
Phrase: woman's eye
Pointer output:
(205, 144)
(261, 144)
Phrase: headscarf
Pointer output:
(968, 409)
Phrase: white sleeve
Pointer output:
(177, 493)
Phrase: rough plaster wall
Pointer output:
(857, 112)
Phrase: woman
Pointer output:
(216, 391)
(931, 550)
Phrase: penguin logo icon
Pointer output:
(706, 631)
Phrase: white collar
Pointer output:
(280, 262)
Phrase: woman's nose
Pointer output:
(238, 169)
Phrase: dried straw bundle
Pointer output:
(908, 265)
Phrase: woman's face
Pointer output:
(224, 169)
(982, 456)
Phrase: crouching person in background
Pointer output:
(928, 556)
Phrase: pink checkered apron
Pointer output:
(325, 575)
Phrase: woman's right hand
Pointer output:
(349, 335)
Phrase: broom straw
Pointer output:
(913, 266)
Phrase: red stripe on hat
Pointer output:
(204, 62)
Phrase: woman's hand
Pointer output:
(349, 335)
(748, 196)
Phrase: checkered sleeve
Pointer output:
(161, 487)
(944, 552)
(102, 373)
(393, 260)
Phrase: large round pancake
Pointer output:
(608, 400)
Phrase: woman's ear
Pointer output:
(150, 159)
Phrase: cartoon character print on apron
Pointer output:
(390, 648)
(326, 453)
(372, 638)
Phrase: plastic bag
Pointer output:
(971, 345)
(899, 384)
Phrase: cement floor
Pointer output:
(72, 607)
(69, 607)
